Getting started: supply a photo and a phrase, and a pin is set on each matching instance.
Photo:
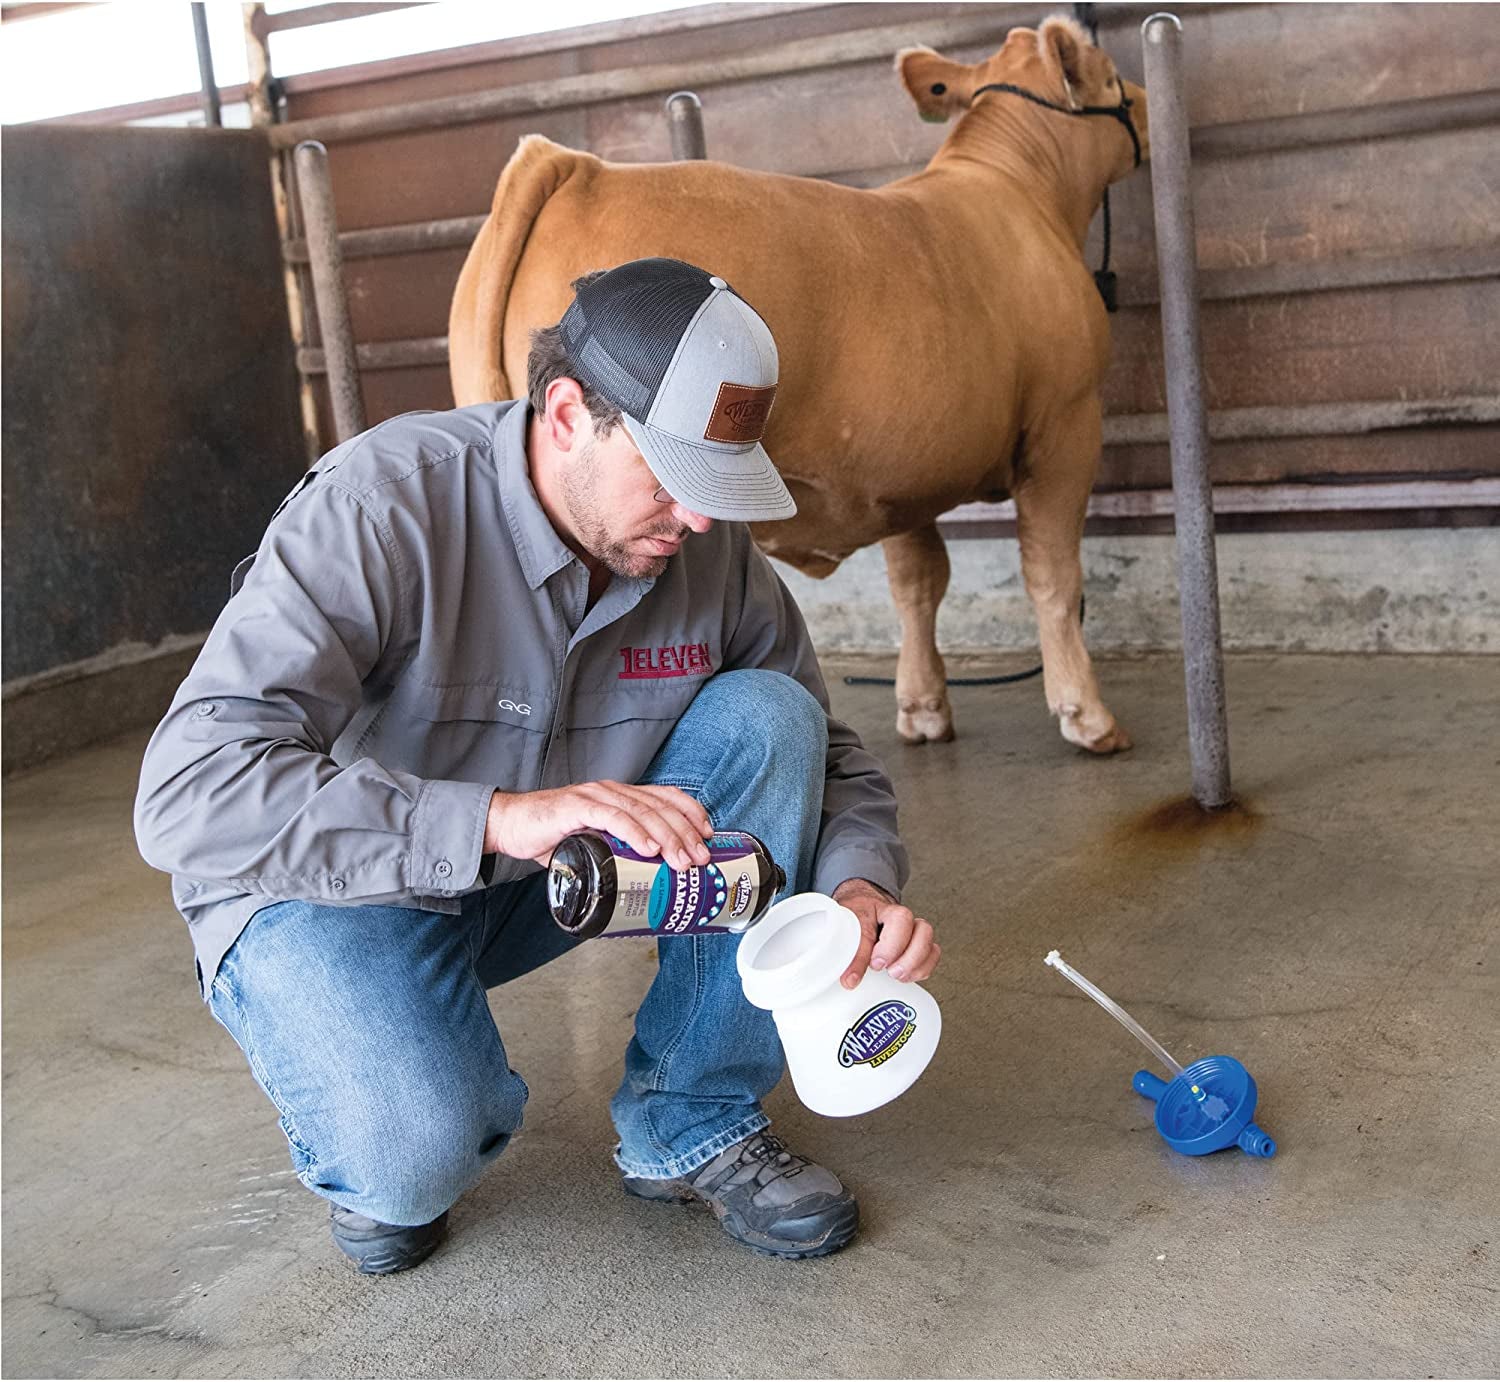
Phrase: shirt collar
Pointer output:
(543, 554)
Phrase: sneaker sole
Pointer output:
(378, 1265)
(828, 1232)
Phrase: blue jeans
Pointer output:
(369, 1029)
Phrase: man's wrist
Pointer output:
(861, 885)
(494, 842)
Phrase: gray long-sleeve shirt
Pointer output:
(411, 636)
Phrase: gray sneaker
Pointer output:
(769, 1198)
(378, 1249)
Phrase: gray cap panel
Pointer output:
(724, 345)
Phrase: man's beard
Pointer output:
(593, 531)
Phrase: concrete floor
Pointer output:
(1021, 1215)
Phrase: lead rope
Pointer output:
(1104, 280)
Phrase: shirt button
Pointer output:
(447, 892)
(206, 708)
(442, 868)
(337, 884)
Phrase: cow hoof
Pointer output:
(1097, 733)
(925, 724)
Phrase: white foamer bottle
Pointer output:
(848, 1050)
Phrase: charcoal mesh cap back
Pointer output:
(693, 370)
(625, 327)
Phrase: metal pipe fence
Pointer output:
(684, 115)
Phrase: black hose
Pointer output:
(1008, 680)
(952, 681)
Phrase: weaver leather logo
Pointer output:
(744, 891)
(749, 414)
(674, 660)
(879, 1034)
(740, 413)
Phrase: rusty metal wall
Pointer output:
(150, 399)
(1345, 271)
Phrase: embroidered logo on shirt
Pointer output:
(672, 660)
(511, 705)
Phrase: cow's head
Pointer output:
(1057, 63)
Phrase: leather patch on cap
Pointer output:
(740, 414)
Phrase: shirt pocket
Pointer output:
(488, 733)
(616, 733)
(666, 699)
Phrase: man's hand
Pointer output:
(651, 820)
(892, 938)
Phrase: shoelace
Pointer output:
(767, 1152)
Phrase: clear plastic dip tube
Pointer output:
(1114, 1010)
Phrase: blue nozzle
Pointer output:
(1208, 1107)
(1256, 1142)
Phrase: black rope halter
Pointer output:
(1104, 279)
(1120, 112)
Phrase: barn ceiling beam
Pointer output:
(308, 15)
(593, 88)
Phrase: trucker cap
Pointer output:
(693, 369)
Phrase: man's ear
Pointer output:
(567, 417)
(1061, 44)
(940, 87)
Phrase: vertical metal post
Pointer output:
(1192, 492)
(315, 188)
(262, 116)
(685, 116)
(211, 116)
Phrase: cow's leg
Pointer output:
(917, 565)
(1051, 497)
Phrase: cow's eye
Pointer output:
(938, 88)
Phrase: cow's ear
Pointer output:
(940, 87)
(1062, 43)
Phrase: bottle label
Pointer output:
(654, 899)
(878, 1035)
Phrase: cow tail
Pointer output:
(476, 320)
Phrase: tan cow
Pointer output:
(941, 338)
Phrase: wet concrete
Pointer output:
(1021, 1216)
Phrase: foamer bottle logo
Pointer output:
(878, 1035)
